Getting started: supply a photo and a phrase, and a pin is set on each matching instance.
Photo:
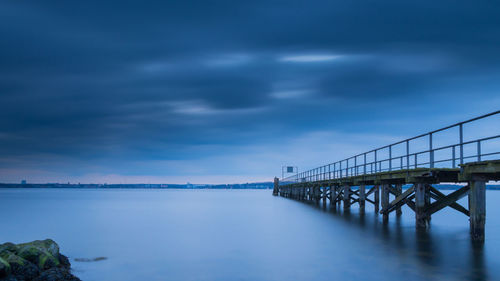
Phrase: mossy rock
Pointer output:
(30, 252)
(21, 268)
(11, 247)
(38, 255)
(51, 246)
(4, 268)
(48, 244)
(37, 260)
(12, 258)
(47, 261)
(56, 274)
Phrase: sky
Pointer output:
(229, 91)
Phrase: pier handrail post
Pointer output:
(355, 165)
(364, 165)
(408, 154)
(479, 151)
(431, 152)
(461, 144)
(390, 157)
(453, 156)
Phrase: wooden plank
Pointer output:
(393, 190)
(446, 201)
(338, 196)
(371, 190)
(410, 203)
(398, 201)
(487, 170)
(437, 195)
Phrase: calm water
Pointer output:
(244, 235)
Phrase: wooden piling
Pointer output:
(333, 195)
(399, 189)
(347, 196)
(323, 194)
(276, 186)
(362, 198)
(339, 195)
(428, 200)
(385, 200)
(421, 218)
(477, 208)
(376, 195)
(317, 194)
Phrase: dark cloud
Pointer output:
(102, 82)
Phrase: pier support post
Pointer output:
(399, 188)
(317, 194)
(347, 196)
(385, 200)
(477, 209)
(362, 197)
(324, 195)
(333, 195)
(276, 186)
(339, 193)
(421, 194)
(428, 201)
(377, 198)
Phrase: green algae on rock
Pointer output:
(4, 268)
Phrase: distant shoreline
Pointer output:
(262, 186)
(265, 185)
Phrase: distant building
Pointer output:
(23, 182)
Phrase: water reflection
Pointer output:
(436, 254)
(478, 270)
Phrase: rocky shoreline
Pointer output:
(39, 260)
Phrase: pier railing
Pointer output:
(443, 148)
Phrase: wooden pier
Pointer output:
(379, 182)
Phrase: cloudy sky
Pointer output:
(228, 91)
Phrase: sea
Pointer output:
(178, 234)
